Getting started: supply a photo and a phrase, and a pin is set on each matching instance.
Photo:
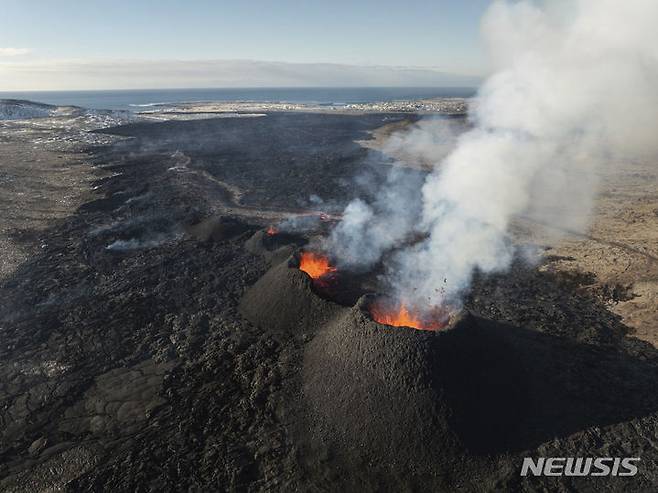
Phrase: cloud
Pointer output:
(14, 51)
(135, 74)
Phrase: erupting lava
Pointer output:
(399, 316)
(271, 231)
(315, 265)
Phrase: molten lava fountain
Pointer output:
(315, 265)
(398, 315)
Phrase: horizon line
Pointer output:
(242, 88)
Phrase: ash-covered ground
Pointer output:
(126, 362)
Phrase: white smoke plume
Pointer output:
(367, 231)
(427, 142)
(574, 88)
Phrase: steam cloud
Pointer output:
(574, 88)
(368, 230)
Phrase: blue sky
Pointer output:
(440, 34)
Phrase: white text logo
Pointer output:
(580, 466)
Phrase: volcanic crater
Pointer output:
(429, 398)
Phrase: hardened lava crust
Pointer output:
(145, 347)
(284, 300)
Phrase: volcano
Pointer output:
(284, 300)
(142, 370)
(424, 397)
(399, 397)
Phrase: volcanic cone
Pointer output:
(283, 300)
(413, 400)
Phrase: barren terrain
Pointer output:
(621, 247)
(129, 362)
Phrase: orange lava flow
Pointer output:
(401, 317)
(271, 231)
(315, 265)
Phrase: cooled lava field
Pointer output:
(166, 337)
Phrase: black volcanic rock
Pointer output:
(137, 371)
(215, 228)
(395, 396)
(284, 300)
(419, 408)
(273, 248)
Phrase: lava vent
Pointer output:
(413, 400)
(284, 300)
(396, 314)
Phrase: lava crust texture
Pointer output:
(409, 400)
(283, 300)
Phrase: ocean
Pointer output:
(136, 99)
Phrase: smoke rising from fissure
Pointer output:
(574, 89)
